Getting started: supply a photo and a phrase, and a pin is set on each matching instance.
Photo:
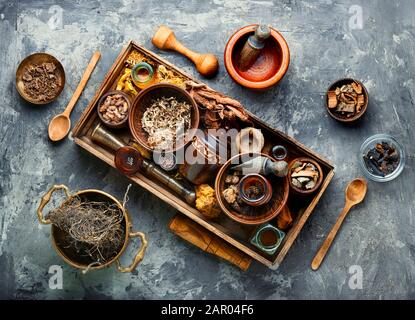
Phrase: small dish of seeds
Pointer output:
(347, 100)
(381, 158)
(113, 109)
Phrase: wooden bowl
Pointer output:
(339, 117)
(253, 215)
(38, 58)
(318, 183)
(118, 125)
(269, 68)
(144, 100)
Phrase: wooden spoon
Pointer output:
(355, 193)
(61, 124)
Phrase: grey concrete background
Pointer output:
(378, 236)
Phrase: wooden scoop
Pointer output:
(206, 64)
(61, 124)
(355, 193)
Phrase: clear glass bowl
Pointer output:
(370, 143)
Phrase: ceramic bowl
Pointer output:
(146, 97)
(39, 58)
(268, 69)
(318, 183)
(251, 215)
(339, 117)
(122, 123)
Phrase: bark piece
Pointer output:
(332, 99)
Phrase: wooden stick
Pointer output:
(192, 232)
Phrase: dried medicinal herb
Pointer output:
(346, 100)
(304, 175)
(165, 75)
(165, 121)
(225, 108)
(93, 229)
(126, 83)
(382, 159)
(254, 192)
(41, 82)
(136, 57)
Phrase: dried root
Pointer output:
(94, 229)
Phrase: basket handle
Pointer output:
(139, 256)
(45, 200)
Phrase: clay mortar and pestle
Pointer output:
(257, 57)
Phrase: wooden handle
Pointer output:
(206, 64)
(192, 232)
(327, 243)
(82, 84)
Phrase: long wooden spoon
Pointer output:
(61, 124)
(355, 193)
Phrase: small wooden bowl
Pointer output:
(318, 183)
(144, 100)
(269, 68)
(39, 58)
(118, 125)
(256, 215)
(339, 117)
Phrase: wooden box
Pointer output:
(230, 231)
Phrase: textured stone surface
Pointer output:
(378, 235)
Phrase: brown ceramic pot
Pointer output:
(318, 183)
(122, 123)
(269, 68)
(144, 100)
(338, 117)
(253, 215)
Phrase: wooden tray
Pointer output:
(234, 233)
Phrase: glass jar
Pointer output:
(268, 238)
(143, 75)
(369, 144)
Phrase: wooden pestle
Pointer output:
(253, 47)
(194, 233)
(164, 38)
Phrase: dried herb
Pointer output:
(94, 229)
(219, 106)
(125, 83)
(165, 75)
(304, 175)
(136, 57)
(346, 100)
(231, 193)
(41, 82)
(382, 159)
(164, 120)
